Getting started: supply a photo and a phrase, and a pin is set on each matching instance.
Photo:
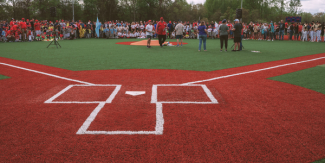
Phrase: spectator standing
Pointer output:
(281, 29)
(237, 34)
(202, 36)
(23, 29)
(179, 32)
(223, 34)
(149, 33)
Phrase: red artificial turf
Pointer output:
(87, 93)
(256, 120)
(182, 93)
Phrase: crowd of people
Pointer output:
(35, 30)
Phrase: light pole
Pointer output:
(241, 19)
(73, 10)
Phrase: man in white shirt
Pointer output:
(179, 32)
(150, 30)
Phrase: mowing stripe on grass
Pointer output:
(44, 73)
(248, 72)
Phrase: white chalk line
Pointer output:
(248, 72)
(44, 73)
(91, 118)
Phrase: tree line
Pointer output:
(136, 10)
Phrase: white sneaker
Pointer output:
(272, 40)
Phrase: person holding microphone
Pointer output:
(223, 34)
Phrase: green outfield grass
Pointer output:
(103, 54)
(312, 78)
(3, 77)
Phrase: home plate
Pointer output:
(135, 93)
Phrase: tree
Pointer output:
(294, 6)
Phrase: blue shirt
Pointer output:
(169, 26)
(201, 30)
(3, 33)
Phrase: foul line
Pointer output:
(248, 72)
(44, 73)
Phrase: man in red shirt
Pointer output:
(230, 29)
(161, 31)
(12, 22)
(37, 27)
(14, 28)
(9, 36)
(23, 28)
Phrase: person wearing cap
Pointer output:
(149, 32)
(223, 34)
(37, 27)
(161, 31)
(237, 34)
(23, 28)
(170, 28)
(179, 32)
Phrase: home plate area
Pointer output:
(127, 112)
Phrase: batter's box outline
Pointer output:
(109, 99)
(154, 97)
(159, 106)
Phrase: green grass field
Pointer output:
(313, 78)
(102, 54)
(3, 77)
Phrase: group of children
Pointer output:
(34, 30)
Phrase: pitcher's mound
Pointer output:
(144, 43)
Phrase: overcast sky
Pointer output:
(311, 6)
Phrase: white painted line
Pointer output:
(248, 72)
(159, 119)
(114, 93)
(58, 94)
(90, 119)
(119, 132)
(135, 93)
(154, 94)
(44, 73)
(109, 100)
(209, 94)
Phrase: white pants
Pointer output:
(318, 35)
(38, 32)
(304, 36)
(315, 35)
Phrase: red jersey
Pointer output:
(286, 25)
(11, 23)
(300, 28)
(8, 33)
(23, 25)
(37, 26)
(15, 27)
(229, 26)
(161, 28)
(29, 33)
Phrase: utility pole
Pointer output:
(241, 19)
(73, 10)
